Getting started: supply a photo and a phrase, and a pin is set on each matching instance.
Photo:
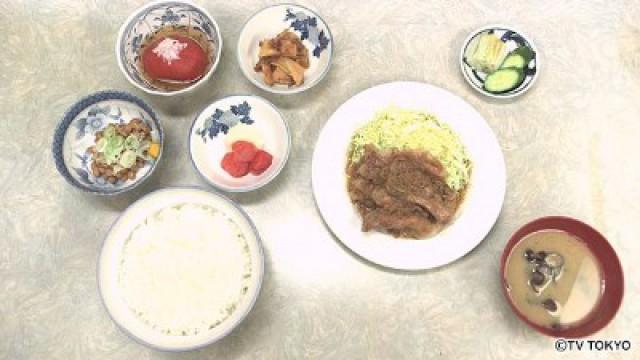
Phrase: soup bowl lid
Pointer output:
(611, 272)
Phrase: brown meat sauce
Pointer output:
(401, 192)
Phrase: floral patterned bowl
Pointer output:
(512, 39)
(146, 21)
(211, 127)
(269, 22)
(76, 133)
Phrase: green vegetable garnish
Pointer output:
(118, 151)
(132, 143)
(127, 159)
(116, 141)
(111, 155)
(144, 146)
(395, 128)
(109, 132)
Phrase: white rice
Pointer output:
(185, 269)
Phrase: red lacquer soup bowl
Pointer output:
(610, 268)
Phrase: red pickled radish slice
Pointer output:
(234, 167)
(244, 150)
(260, 162)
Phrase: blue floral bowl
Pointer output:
(269, 22)
(513, 39)
(149, 19)
(76, 133)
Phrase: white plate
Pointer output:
(207, 149)
(269, 22)
(477, 213)
(110, 257)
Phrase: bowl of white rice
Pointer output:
(180, 268)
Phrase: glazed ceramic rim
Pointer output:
(561, 223)
(72, 112)
(189, 88)
(292, 90)
(508, 95)
(251, 304)
(266, 180)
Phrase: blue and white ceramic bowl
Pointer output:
(76, 133)
(146, 21)
(269, 22)
(513, 39)
(207, 145)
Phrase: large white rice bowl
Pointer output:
(180, 269)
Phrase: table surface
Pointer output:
(570, 147)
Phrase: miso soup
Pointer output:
(553, 279)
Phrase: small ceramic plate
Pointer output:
(209, 129)
(151, 18)
(476, 215)
(76, 133)
(513, 39)
(111, 258)
(611, 275)
(269, 22)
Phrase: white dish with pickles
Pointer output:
(499, 61)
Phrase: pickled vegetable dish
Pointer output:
(500, 69)
(283, 60)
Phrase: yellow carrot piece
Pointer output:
(154, 150)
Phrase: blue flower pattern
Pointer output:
(168, 17)
(308, 28)
(223, 120)
(82, 171)
(97, 118)
(206, 28)
(136, 42)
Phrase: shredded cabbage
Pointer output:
(403, 129)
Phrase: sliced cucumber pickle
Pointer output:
(514, 61)
(518, 58)
(503, 80)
